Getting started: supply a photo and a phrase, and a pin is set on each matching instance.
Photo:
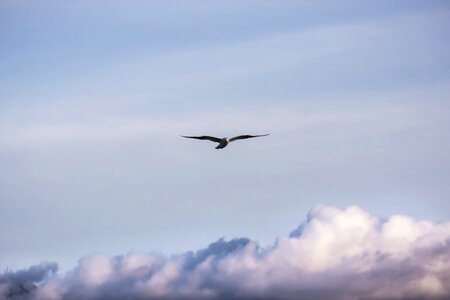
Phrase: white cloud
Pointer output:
(343, 254)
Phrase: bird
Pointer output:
(223, 142)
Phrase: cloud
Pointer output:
(339, 254)
(286, 118)
(20, 283)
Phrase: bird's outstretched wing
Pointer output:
(245, 136)
(204, 137)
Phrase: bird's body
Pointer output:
(223, 142)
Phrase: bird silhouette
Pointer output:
(223, 142)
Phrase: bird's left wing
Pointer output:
(246, 136)
(204, 137)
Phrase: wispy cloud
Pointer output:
(283, 118)
(342, 254)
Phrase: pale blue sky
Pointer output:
(94, 96)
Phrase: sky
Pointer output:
(94, 96)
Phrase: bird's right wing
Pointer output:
(246, 136)
(204, 137)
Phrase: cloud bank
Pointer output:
(334, 254)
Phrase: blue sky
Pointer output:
(95, 94)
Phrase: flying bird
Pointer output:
(223, 142)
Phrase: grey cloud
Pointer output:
(34, 273)
(217, 250)
(339, 254)
(14, 285)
